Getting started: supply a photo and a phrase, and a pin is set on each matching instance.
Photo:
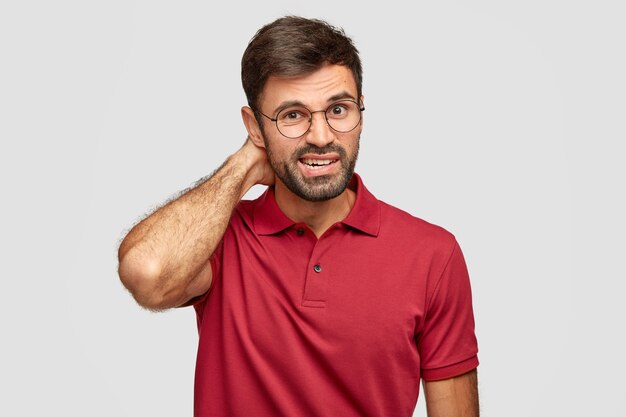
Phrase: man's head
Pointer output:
(293, 46)
(307, 72)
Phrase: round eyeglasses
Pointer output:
(294, 121)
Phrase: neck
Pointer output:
(317, 215)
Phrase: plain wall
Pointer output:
(500, 121)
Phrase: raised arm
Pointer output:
(453, 397)
(164, 259)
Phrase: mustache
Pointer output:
(311, 149)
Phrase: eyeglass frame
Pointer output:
(360, 107)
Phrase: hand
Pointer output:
(260, 171)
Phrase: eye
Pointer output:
(338, 110)
(293, 115)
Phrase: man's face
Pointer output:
(318, 165)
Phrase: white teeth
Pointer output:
(317, 162)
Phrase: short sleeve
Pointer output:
(216, 270)
(447, 342)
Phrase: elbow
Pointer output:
(141, 276)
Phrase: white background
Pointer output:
(501, 121)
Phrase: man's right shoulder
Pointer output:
(244, 213)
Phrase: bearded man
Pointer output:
(315, 299)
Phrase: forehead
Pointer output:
(314, 89)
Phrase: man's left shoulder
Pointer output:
(399, 223)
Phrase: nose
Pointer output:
(320, 133)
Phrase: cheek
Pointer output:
(351, 145)
(279, 151)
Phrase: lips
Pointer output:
(313, 163)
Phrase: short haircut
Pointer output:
(293, 46)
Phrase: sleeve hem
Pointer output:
(214, 273)
(450, 371)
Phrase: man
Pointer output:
(316, 299)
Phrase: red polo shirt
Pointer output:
(344, 325)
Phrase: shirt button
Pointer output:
(300, 231)
(317, 268)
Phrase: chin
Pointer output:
(316, 189)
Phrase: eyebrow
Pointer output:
(343, 95)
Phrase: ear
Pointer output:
(252, 126)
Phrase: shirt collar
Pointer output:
(364, 216)
(268, 217)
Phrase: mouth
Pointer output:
(312, 163)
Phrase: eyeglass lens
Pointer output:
(342, 116)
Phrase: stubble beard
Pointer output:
(320, 188)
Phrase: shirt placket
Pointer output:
(317, 273)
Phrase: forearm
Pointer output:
(454, 397)
(162, 255)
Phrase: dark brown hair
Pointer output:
(293, 46)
